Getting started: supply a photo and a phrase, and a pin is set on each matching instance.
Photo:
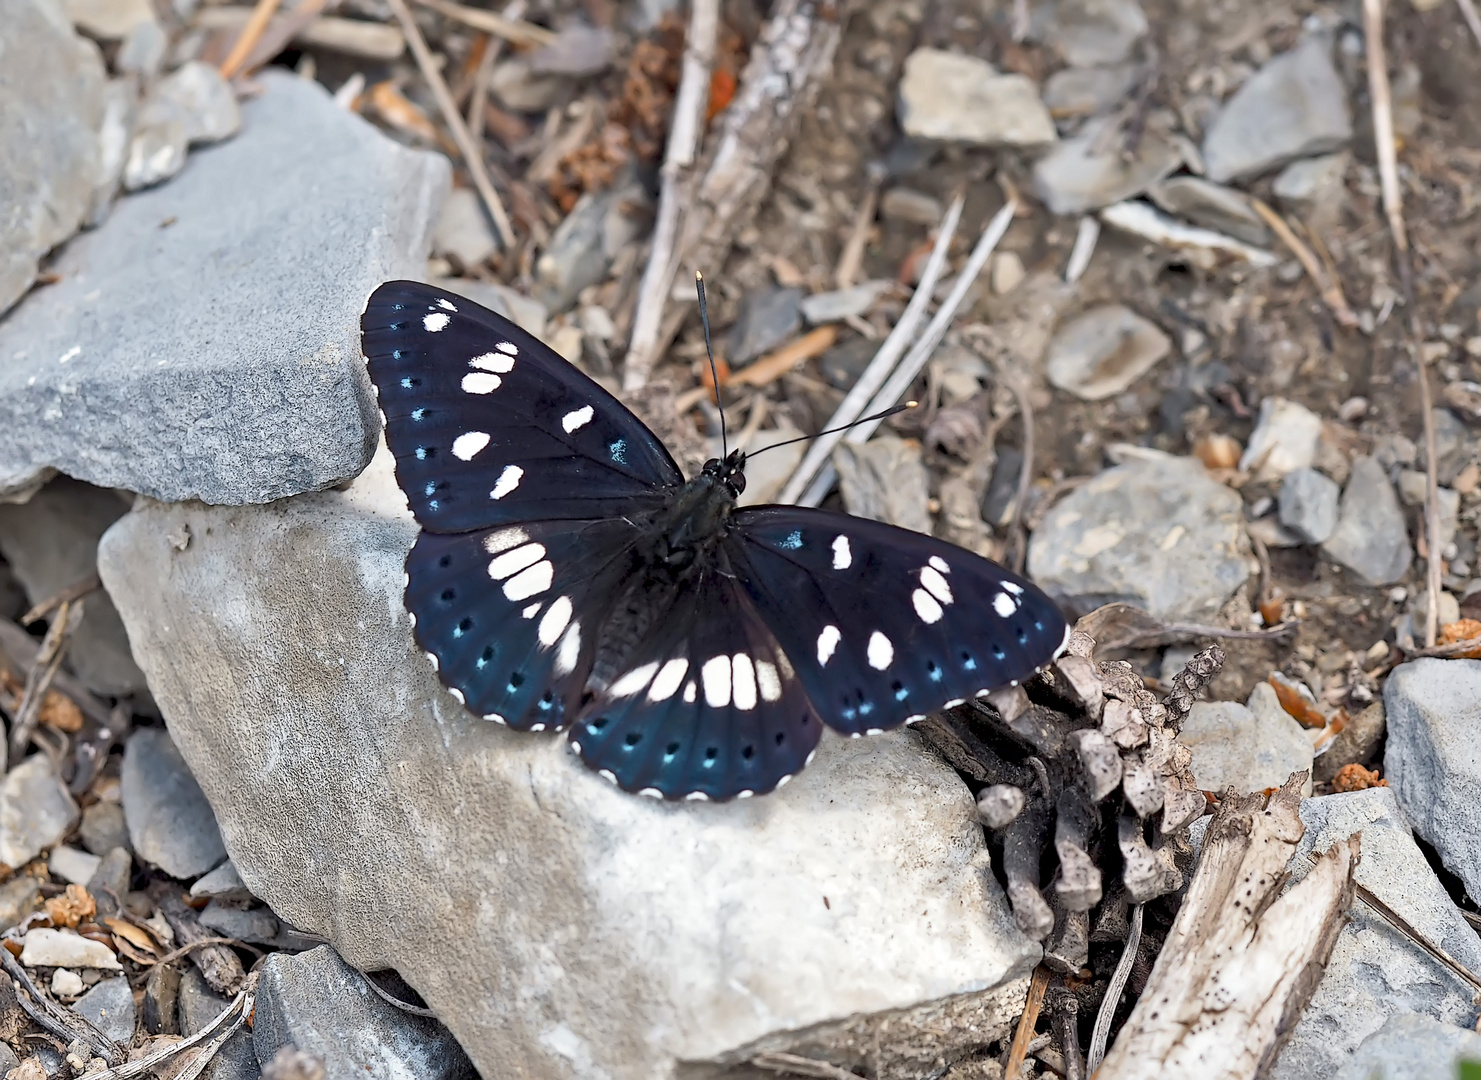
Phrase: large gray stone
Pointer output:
(1371, 538)
(1411, 1046)
(235, 376)
(110, 1005)
(36, 810)
(1102, 352)
(559, 927)
(316, 1002)
(1295, 106)
(1375, 973)
(51, 107)
(170, 821)
(1156, 533)
(1250, 747)
(1087, 32)
(1432, 709)
(51, 542)
(1308, 504)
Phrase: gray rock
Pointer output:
(1354, 743)
(516, 85)
(256, 925)
(51, 542)
(840, 304)
(1156, 533)
(843, 364)
(958, 98)
(36, 810)
(1293, 107)
(584, 245)
(103, 828)
(71, 865)
(1089, 171)
(162, 1000)
(1248, 747)
(578, 51)
(254, 387)
(109, 20)
(110, 1005)
(884, 479)
(767, 318)
(8, 1060)
(51, 106)
(170, 821)
(463, 230)
(1370, 538)
(1411, 1046)
(12, 596)
(157, 151)
(1375, 973)
(699, 925)
(143, 51)
(1213, 206)
(111, 879)
(198, 1006)
(1286, 437)
(18, 897)
(772, 470)
(1453, 447)
(316, 1002)
(1089, 32)
(1101, 352)
(201, 99)
(1074, 91)
(222, 883)
(907, 204)
(1432, 708)
(1313, 186)
(1308, 504)
(120, 114)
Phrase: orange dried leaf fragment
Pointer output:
(1462, 630)
(1300, 705)
(72, 907)
(1356, 778)
(60, 712)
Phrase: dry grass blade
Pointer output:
(509, 27)
(59, 1021)
(1403, 926)
(234, 1014)
(43, 671)
(18, 651)
(1102, 1030)
(76, 591)
(472, 155)
(279, 32)
(251, 33)
(1025, 1033)
(1085, 239)
(1330, 291)
(851, 258)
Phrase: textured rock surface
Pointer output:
(1156, 533)
(35, 810)
(1370, 538)
(1249, 747)
(1432, 708)
(315, 1002)
(962, 99)
(1088, 171)
(110, 1005)
(170, 822)
(236, 376)
(1374, 972)
(1101, 352)
(1410, 1046)
(1087, 32)
(1308, 504)
(1286, 438)
(51, 107)
(198, 1006)
(559, 927)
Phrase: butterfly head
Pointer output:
(731, 472)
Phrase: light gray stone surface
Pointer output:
(1308, 504)
(1157, 533)
(1411, 1046)
(1286, 437)
(1089, 32)
(256, 925)
(1102, 352)
(1433, 709)
(110, 1005)
(1213, 206)
(1293, 107)
(766, 318)
(1249, 747)
(560, 927)
(103, 828)
(585, 243)
(1371, 537)
(463, 230)
(958, 98)
(36, 810)
(201, 99)
(51, 106)
(170, 821)
(51, 543)
(1313, 188)
(1374, 972)
(314, 1001)
(198, 1006)
(17, 897)
(236, 376)
(1088, 170)
(1085, 91)
(223, 882)
(884, 479)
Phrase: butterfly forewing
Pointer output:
(884, 625)
(489, 426)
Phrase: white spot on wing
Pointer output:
(569, 651)
(716, 678)
(553, 625)
(743, 682)
(651, 792)
(507, 482)
(505, 539)
(697, 796)
(480, 382)
(495, 717)
(530, 610)
(492, 361)
(467, 445)
(935, 584)
(507, 346)
(828, 641)
(446, 304)
(768, 680)
(531, 582)
(666, 684)
(1016, 590)
(512, 562)
(880, 652)
(436, 321)
(607, 774)
(689, 693)
(926, 606)
(1004, 605)
(577, 418)
(455, 692)
(634, 680)
(940, 564)
(843, 558)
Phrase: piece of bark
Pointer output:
(220, 966)
(1242, 960)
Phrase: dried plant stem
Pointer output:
(234, 1015)
(1327, 287)
(261, 15)
(1085, 239)
(38, 682)
(1018, 1050)
(685, 130)
(472, 155)
(63, 1023)
(852, 255)
(1102, 1031)
(75, 591)
(1473, 20)
(510, 25)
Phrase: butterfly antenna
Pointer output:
(704, 320)
(842, 427)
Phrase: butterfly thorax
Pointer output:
(689, 528)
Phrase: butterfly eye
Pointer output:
(738, 482)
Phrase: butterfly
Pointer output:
(567, 576)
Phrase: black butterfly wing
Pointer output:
(510, 615)
(884, 625)
(490, 427)
(707, 707)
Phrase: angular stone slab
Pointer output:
(559, 927)
(204, 342)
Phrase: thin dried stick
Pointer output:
(261, 15)
(75, 591)
(686, 128)
(64, 1023)
(48, 661)
(774, 365)
(511, 28)
(1108, 1003)
(852, 255)
(278, 33)
(236, 1013)
(853, 405)
(1025, 473)
(396, 1002)
(1330, 290)
(796, 1065)
(1025, 1033)
(472, 156)
(1473, 20)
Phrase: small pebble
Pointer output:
(907, 204)
(767, 318)
(1371, 537)
(1308, 505)
(957, 98)
(1353, 409)
(72, 865)
(1285, 438)
(1104, 351)
(44, 947)
(66, 983)
(1007, 272)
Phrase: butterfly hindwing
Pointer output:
(489, 426)
(885, 625)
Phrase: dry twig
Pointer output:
(852, 255)
(63, 1023)
(75, 591)
(796, 1065)
(1107, 1013)
(1330, 290)
(43, 671)
(246, 41)
(1473, 19)
(509, 26)
(1018, 1050)
(233, 1017)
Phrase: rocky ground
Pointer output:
(1188, 379)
